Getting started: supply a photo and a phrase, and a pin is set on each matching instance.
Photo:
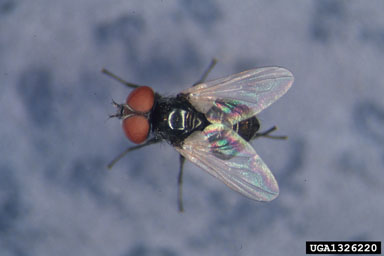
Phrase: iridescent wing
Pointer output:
(240, 96)
(225, 155)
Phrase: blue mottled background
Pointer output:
(56, 195)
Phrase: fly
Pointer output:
(210, 124)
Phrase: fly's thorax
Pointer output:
(174, 119)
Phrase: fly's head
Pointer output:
(135, 113)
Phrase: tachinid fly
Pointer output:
(210, 124)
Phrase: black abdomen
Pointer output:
(247, 128)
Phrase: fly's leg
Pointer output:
(180, 185)
(182, 158)
(267, 134)
(147, 143)
(119, 79)
(205, 74)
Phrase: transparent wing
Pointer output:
(237, 97)
(225, 155)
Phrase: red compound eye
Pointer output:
(141, 99)
(136, 128)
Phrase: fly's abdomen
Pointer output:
(247, 128)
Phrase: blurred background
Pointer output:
(57, 196)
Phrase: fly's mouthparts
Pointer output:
(125, 111)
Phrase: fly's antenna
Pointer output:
(119, 79)
(267, 134)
